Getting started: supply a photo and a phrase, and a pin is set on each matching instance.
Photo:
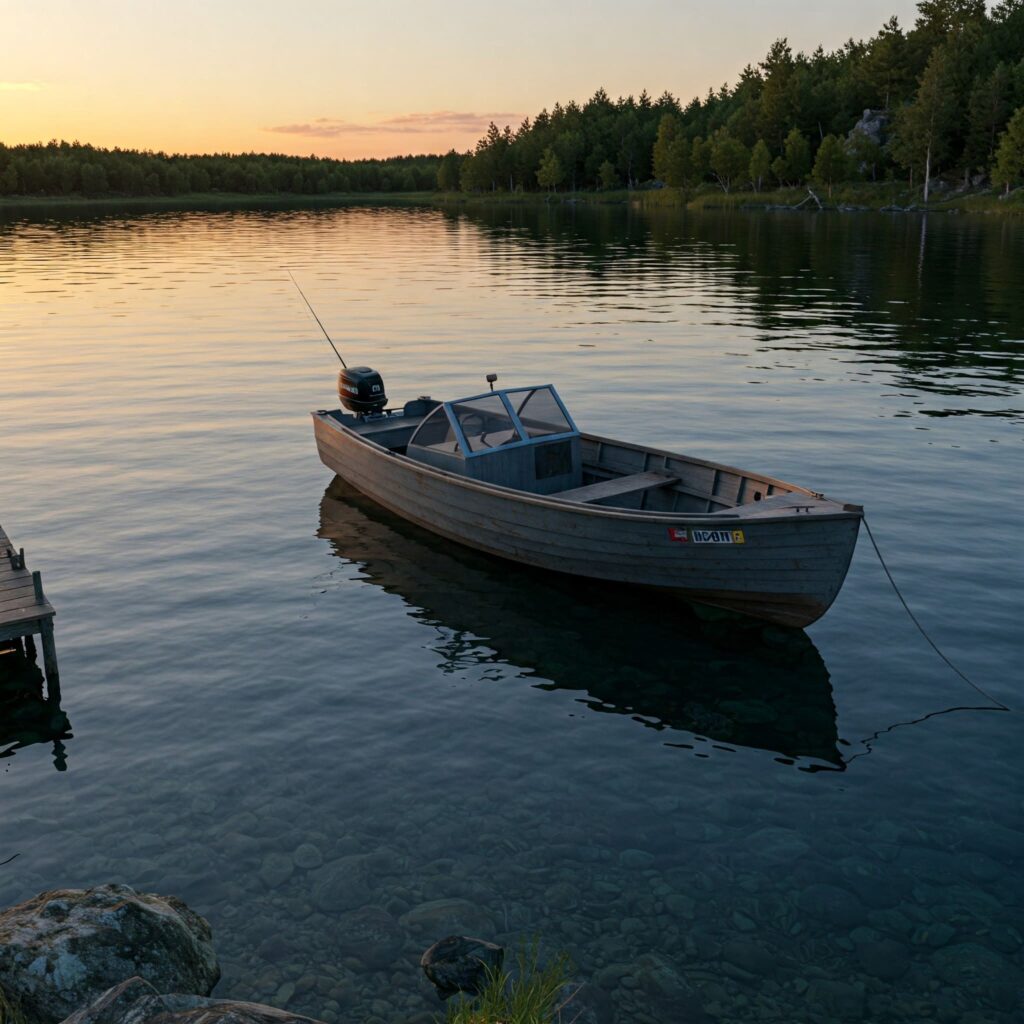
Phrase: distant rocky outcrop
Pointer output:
(65, 948)
(874, 124)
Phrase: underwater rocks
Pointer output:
(735, 913)
(371, 935)
(980, 972)
(460, 964)
(669, 994)
(276, 869)
(831, 904)
(67, 946)
(883, 958)
(839, 999)
(135, 1001)
(341, 885)
(307, 857)
(446, 915)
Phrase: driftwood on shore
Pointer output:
(810, 195)
(789, 206)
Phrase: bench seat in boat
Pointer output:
(617, 487)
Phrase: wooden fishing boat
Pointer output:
(508, 472)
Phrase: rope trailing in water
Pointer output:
(999, 705)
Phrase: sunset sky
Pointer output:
(369, 79)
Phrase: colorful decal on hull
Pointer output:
(681, 536)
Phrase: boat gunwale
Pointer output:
(843, 511)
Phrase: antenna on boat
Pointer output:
(317, 319)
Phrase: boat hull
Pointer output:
(788, 570)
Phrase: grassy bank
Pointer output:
(852, 197)
(865, 196)
(208, 201)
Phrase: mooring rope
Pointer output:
(999, 705)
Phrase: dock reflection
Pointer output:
(625, 651)
(30, 708)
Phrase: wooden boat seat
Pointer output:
(617, 487)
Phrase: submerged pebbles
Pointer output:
(690, 913)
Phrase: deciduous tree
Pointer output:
(798, 157)
(760, 163)
(668, 132)
(550, 173)
(607, 174)
(700, 158)
(831, 163)
(1009, 165)
(730, 160)
(448, 171)
(988, 109)
(922, 131)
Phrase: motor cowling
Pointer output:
(361, 390)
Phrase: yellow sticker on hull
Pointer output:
(717, 537)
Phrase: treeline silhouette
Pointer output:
(72, 168)
(945, 97)
(944, 92)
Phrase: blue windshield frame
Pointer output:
(503, 393)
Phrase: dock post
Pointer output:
(49, 656)
(20, 616)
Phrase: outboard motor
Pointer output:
(361, 390)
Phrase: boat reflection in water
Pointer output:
(30, 710)
(628, 651)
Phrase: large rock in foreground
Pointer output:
(63, 949)
(136, 1002)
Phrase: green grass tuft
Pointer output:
(532, 995)
(10, 1013)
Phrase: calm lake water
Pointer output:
(340, 739)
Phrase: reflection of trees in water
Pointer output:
(937, 301)
(922, 295)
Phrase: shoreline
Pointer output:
(884, 197)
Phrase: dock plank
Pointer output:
(19, 601)
(24, 598)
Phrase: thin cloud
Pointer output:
(20, 87)
(404, 124)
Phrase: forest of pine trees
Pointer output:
(947, 96)
(71, 168)
(949, 93)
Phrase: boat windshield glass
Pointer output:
(485, 423)
(436, 431)
(539, 412)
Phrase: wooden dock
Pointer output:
(24, 610)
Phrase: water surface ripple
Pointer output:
(340, 739)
